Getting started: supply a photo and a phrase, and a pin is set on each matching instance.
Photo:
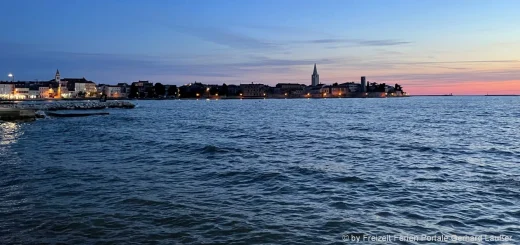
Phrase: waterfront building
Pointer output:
(253, 90)
(74, 87)
(315, 78)
(352, 87)
(35, 87)
(6, 90)
(233, 90)
(325, 91)
(297, 93)
(289, 89)
(112, 91)
(125, 89)
(142, 87)
(339, 90)
(44, 92)
(34, 94)
(314, 91)
(290, 86)
(21, 93)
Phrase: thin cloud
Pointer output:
(358, 42)
(224, 37)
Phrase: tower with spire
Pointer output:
(315, 77)
(57, 79)
(57, 76)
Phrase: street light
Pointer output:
(11, 76)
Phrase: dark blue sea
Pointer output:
(265, 172)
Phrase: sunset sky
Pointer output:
(428, 46)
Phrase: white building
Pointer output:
(44, 92)
(88, 88)
(34, 94)
(21, 93)
(6, 90)
(112, 91)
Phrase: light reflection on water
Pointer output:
(10, 132)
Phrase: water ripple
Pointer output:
(264, 171)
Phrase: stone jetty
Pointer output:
(13, 114)
(62, 105)
(30, 111)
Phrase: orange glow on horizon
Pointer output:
(465, 88)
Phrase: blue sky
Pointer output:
(234, 41)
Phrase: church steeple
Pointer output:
(315, 78)
(57, 76)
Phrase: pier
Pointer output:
(14, 114)
(28, 111)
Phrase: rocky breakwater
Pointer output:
(13, 114)
(55, 106)
(30, 111)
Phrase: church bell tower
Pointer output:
(57, 79)
(315, 79)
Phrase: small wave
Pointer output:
(231, 174)
(347, 179)
(144, 202)
(215, 149)
(489, 222)
(384, 214)
(415, 216)
(494, 150)
(451, 223)
(339, 205)
(515, 214)
(438, 180)
(210, 149)
(416, 148)
(432, 168)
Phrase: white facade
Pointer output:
(44, 92)
(21, 93)
(34, 94)
(113, 91)
(6, 90)
(87, 88)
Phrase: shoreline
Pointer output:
(201, 98)
(11, 101)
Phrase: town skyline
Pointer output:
(430, 47)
